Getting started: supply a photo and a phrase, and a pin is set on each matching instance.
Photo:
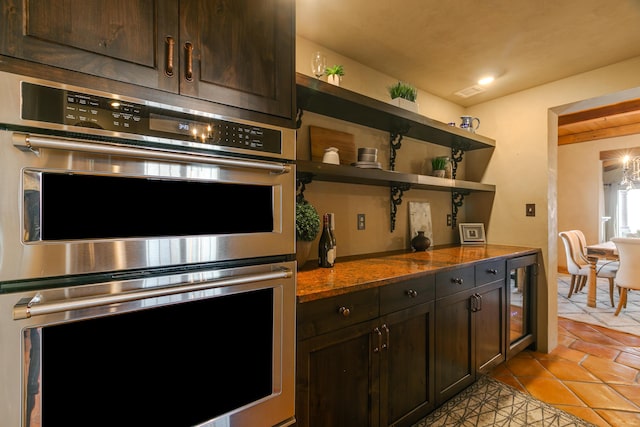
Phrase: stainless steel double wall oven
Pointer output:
(147, 272)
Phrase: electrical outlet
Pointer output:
(449, 220)
(531, 209)
(360, 221)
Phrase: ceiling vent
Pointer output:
(470, 91)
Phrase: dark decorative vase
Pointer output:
(420, 242)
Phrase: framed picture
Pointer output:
(472, 234)
(420, 220)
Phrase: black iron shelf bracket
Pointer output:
(456, 157)
(395, 142)
(396, 199)
(457, 200)
(301, 180)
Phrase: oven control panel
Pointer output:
(77, 111)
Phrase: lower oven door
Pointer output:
(204, 348)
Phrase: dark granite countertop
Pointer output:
(363, 272)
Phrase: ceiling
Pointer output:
(444, 47)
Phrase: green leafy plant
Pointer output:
(439, 163)
(403, 90)
(336, 70)
(307, 221)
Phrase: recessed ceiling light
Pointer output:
(485, 80)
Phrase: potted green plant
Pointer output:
(439, 165)
(307, 229)
(334, 74)
(404, 95)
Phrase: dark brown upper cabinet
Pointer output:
(234, 52)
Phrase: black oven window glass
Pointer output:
(76, 206)
(175, 366)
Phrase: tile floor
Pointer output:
(594, 373)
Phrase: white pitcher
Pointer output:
(467, 123)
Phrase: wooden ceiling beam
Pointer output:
(605, 132)
(632, 105)
(609, 121)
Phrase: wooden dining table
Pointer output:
(595, 252)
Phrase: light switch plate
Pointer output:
(531, 209)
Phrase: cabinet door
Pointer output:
(118, 39)
(406, 380)
(242, 54)
(489, 319)
(455, 346)
(337, 378)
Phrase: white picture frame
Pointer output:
(472, 233)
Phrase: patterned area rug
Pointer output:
(488, 402)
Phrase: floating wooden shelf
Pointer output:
(384, 178)
(323, 98)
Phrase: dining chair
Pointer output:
(628, 276)
(579, 267)
(583, 247)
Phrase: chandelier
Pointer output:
(630, 173)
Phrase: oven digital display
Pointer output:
(81, 110)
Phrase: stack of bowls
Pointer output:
(367, 158)
(369, 155)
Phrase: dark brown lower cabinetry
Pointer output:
(470, 337)
(390, 355)
(373, 373)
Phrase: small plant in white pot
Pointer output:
(439, 166)
(307, 229)
(334, 74)
(404, 95)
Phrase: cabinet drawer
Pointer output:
(490, 271)
(452, 281)
(329, 314)
(407, 293)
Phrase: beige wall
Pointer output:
(523, 166)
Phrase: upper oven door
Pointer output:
(76, 207)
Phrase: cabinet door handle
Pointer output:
(386, 332)
(457, 280)
(479, 297)
(473, 302)
(492, 271)
(169, 63)
(344, 311)
(188, 51)
(412, 293)
(377, 332)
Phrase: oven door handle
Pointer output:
(33, 143)
(27, 308)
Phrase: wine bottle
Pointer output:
(326, 255)
(332, 229)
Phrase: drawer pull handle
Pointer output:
(492, 271)
(377, 332)
(386, 332)
(457, 280)
(344, 311)
(412, 293)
